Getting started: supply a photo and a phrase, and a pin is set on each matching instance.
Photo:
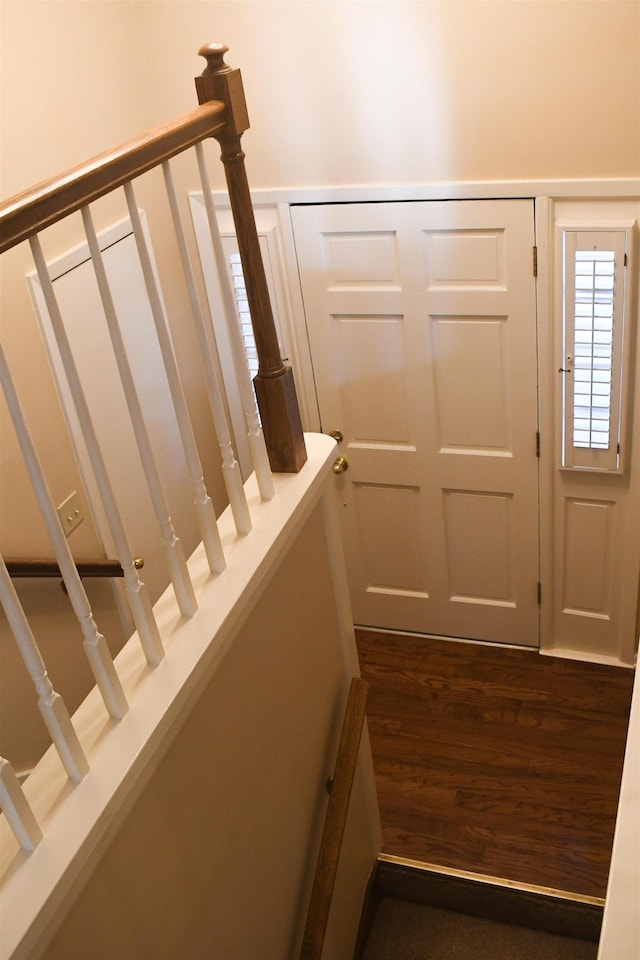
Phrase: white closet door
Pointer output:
(421, 321)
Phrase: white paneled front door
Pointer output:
(421, 321)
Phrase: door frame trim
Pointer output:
(620, 188)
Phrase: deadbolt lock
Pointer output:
(337, 435)
(340, 465)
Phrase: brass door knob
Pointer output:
(340, 465)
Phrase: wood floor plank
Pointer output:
(417, 743)
(553, 684)
(506, 727)
(496, 760)
(428, 741)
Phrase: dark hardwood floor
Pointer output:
(496, 760)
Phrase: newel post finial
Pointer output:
(214, 55)
(219, 81)
(274, 384)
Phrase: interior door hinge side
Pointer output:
(538, 444)
(539, 593)
(535, 261)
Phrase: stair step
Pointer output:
(401, 885)
(403, 930)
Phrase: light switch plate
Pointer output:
(70, 513)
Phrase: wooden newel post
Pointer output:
(275, 388)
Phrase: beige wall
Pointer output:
(403, 91)
(216, 858)
(411, 92)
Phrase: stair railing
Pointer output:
(24, 567)
(222, 114)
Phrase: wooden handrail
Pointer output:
(32, 567)
(29, 212)
(274, 384)
(335, 821)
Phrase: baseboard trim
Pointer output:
(539, 908)
(435, 636)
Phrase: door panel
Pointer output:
(421, 320)
(470, 401)
(589, 561)
(372, 349)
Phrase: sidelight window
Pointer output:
(595, 343)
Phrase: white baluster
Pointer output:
(137, 593)
(230, 466)
(171, 544)
(51, 704)
(16, 809)
(95, 644)
(204, 507)
(257, 446)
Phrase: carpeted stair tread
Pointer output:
(403, 930)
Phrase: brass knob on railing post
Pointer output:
(340, 465)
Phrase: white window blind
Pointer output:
(594, 339)
(593, 348)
